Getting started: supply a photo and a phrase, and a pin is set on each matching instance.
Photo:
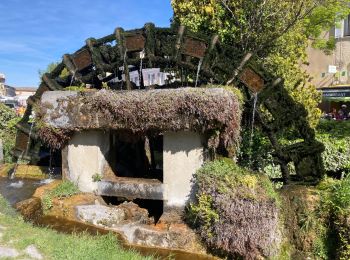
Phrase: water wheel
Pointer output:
(191, 58)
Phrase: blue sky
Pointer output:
(34, 33)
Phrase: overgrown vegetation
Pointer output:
(279, 32)
(335, 135)
(236, 212)
(335, 205)
(62, 190)
(52, 245)
(214, 112)
(256, 151)
(8, 120)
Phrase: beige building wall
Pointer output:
(319, 62)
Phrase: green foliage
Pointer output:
(8, 120)
(335, 135)
(278, 31)
(64, 73)
(335, 203)
(96, 177)
(75, 88)
(48, 69)
(63, 190)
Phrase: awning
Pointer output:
(336, 94)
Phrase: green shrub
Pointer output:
(63, 190)
(236, 205)
(8, 120)
(96, 177)
(335, 203)
(335, 135)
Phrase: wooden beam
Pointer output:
(119, 34)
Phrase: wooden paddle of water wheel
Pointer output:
(186, 58)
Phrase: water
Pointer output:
(16, 185)
(198, 71)
(72, 79)
(253, 119)
(142, 56)
(51, 169)
(16, 190)
(72, 227)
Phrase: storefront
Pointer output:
(334, 97)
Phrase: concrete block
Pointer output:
(132, 188)
(86, 156)
(182, 157)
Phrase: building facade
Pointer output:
(332, 69)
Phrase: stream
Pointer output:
(18, 189)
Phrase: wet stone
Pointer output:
(100, 215)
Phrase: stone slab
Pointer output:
(132, 188)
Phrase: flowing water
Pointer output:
(142, 56)
(253, 119)
(72, 79)
(16, 190)
(198, 71)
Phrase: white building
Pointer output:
(152, 76)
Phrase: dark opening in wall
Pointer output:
(136, 158)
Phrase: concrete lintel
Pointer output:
(132, 188)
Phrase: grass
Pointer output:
(63, 190)
(53, 245)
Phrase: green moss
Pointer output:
(76, 88)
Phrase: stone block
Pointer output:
(182, 157)
(86, 156)
(132, 188)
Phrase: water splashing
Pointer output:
(142, 56)
(198, 70)
(253, 119)
(51, 169)
(72, 79)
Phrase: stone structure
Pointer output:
(109, 156)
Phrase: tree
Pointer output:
(8, 119)
(48, 69)
(278, 32)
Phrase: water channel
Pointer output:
(19, 189)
